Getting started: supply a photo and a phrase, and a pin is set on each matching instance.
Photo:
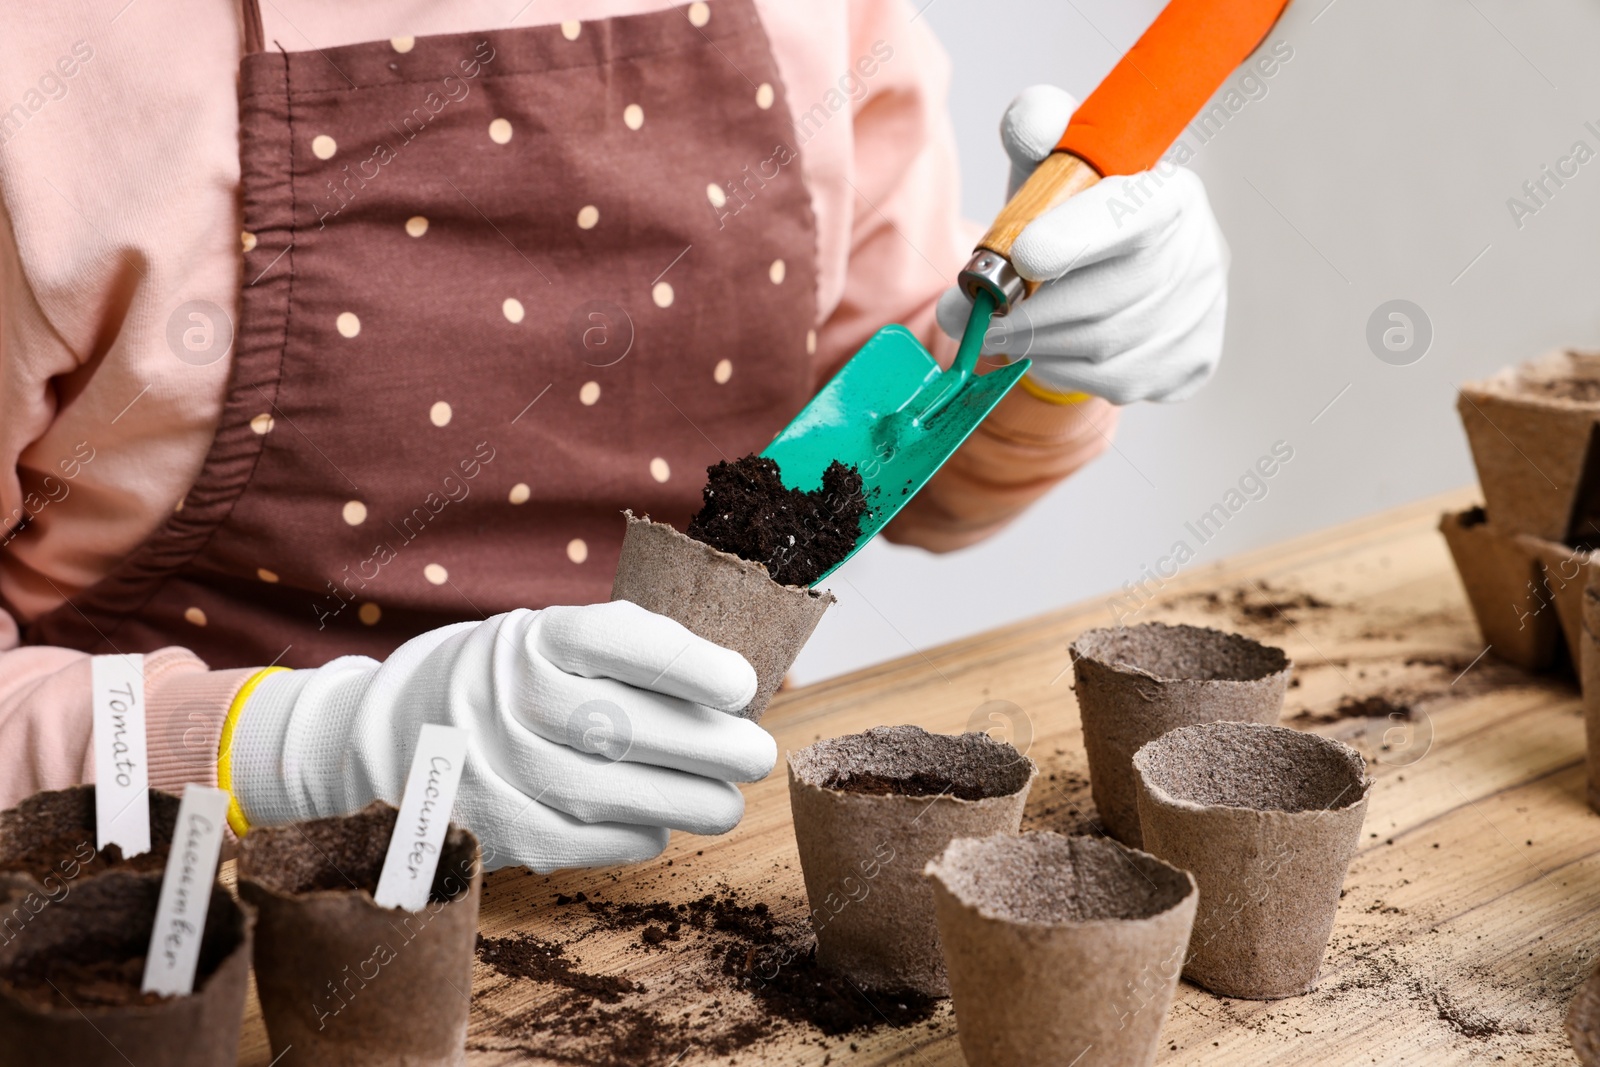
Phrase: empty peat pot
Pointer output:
(1062, 950)
(1134, 683)
(724, 599)
(49, 838)
(1505, 586)
(1530, 428)
(1583, 1022)
(346, 982)
(1266, 818)
(870, 810)
(1563, 575)
(69, 981)
(1589, 676)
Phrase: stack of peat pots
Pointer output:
(1525, 555)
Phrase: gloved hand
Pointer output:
(593, 731)
(1135, 272)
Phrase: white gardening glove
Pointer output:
(593, 731)
(1135, 272)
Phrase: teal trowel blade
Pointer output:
(895, 415)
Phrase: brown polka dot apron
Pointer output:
(486, 303)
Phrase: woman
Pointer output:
(334, 339)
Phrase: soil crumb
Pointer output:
(920, 784)
(760, 974)
(797, 536)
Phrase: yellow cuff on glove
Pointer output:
(236, 820)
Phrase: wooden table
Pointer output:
(1470, 914)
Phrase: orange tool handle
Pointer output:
(1130, 119)
(1136, 113)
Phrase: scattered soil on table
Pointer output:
(1377, 706)
(797, 536)
(522, 956)
(920, 784)
(762, 971)
(57, 855)
(72, 982)
(1267, 608)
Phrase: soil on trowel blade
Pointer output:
(798, 536)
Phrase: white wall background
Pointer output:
(1378, 166)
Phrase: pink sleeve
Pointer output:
(45, 718)
(907, 239)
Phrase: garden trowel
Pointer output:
(891, 411)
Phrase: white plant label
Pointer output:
(121, 769)
(413, 855)
(181, 909)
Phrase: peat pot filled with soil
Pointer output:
(1266, 819)
(343, 981)
(870, 810)
(742, 575)
(49, 839)
(1062, 950)
(69, 980)
(1134, 683)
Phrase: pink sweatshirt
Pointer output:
(119, 173)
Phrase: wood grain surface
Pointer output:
(1470, 915)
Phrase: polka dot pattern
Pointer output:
(416, 226)
(512, 309)
(588, 217)
(633, 116)
(777, 272)
(355, 512)
(722, 372)
(577, 550)
(588, 394)
(195, 616)
(402, 44)
(715, 194)
(262, 423)
(369, 614)
(659, 469)
(440, 414)
(571, 29)
(436, 574)
(347, 324)
(764, 96)
(661, 293)
(323, 146)
(247, 241)
(500, 131)
(699, 13)
(519, 493)
(270, 577)
(811, 342)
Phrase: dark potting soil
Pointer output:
(920, 784)
(59, 856)
(66, 983)
(797, 536)
(766, 969)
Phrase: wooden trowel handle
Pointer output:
(1130, 119)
